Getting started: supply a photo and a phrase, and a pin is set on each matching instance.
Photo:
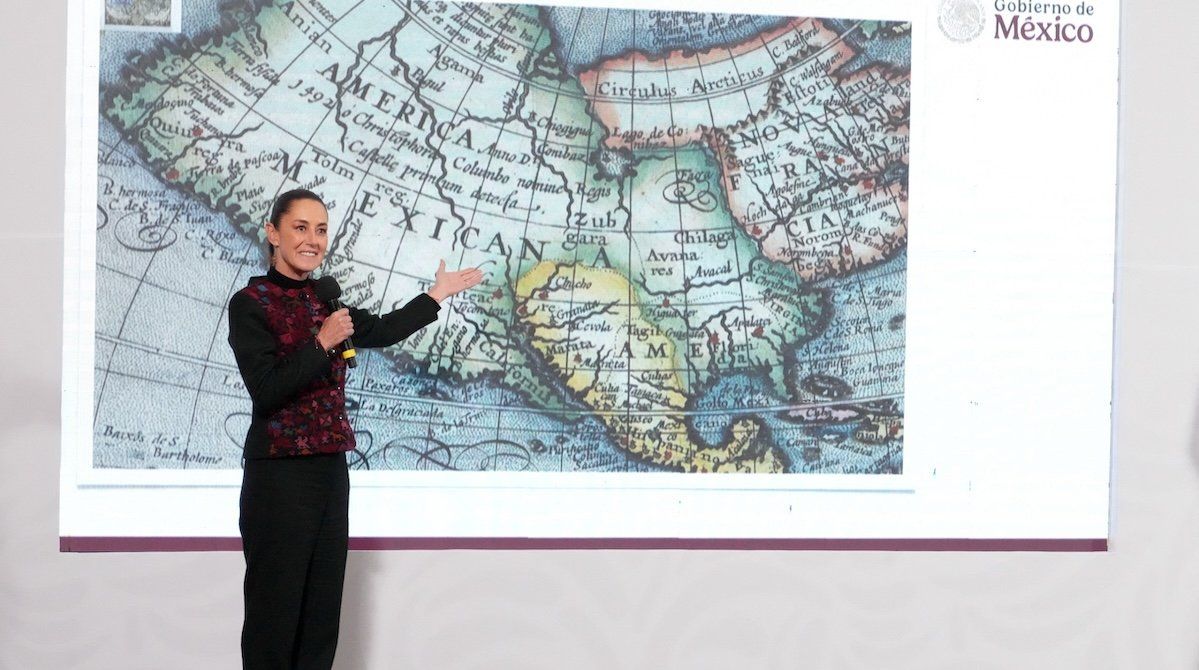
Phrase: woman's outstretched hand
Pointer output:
(446, 284)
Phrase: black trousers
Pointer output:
(294, 529)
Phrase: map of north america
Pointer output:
(693, 225)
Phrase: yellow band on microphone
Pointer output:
(348, 354)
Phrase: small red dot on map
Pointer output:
(172, 174)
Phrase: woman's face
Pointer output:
(300, 239)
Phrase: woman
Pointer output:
(295, 485)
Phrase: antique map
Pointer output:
(694, 228)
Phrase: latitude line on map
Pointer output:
(198, 361)
(576, 414)
(750, 37)
(467, 55)
(352, 163)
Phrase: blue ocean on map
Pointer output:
(586, 35)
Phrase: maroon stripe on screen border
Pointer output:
(140, 544)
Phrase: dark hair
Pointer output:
(282, 204)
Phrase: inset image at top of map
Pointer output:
(694, 228)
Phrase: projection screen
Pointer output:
(820, 274)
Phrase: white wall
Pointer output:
(1136, 606)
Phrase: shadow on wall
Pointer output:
(1195, 433)
(40, 401)
(357, 611)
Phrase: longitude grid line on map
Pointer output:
(250, 246)
(369, 357)
(436, 333)
(757, 132)
(574, 265)
(99, 395)
(150, 283)
(674, 154)
(414, 89)
(531, 58)
(627, 440)
(200, 53)
(779, 218)
(504, 364)
(724, 196)
(732, 221)
(733, 224)
(586, 171)
(468, 56)
(856, 279)
(525, 410)
(752, 116)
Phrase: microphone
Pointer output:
(328, 291)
